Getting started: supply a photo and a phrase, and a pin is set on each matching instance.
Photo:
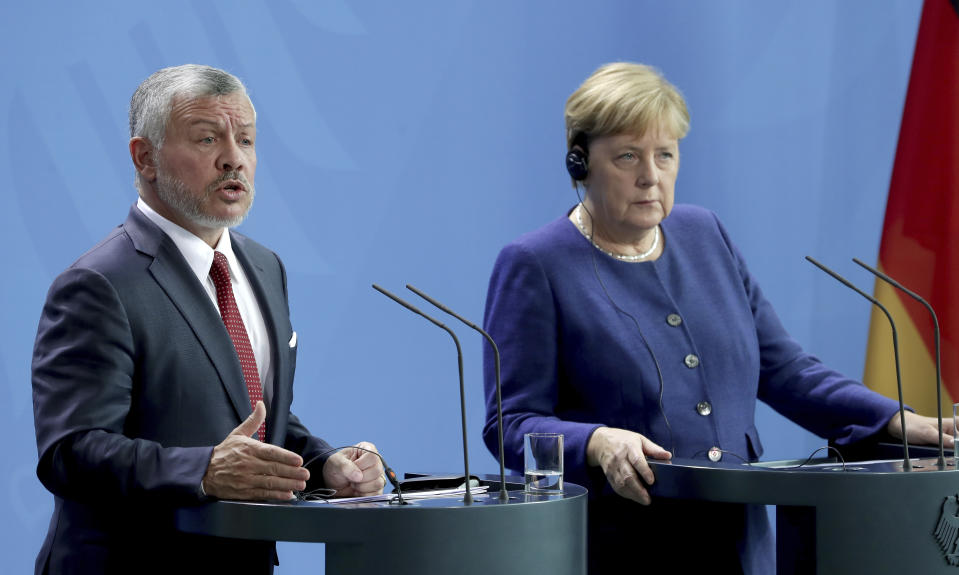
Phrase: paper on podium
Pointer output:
(426, 494)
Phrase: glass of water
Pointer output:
(543, 463)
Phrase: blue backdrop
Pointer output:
(408, 142)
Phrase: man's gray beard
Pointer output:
(175, 194)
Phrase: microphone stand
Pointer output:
(468, 498)
(503, 493)
(935, 322)
(906, 464)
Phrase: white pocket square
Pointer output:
(293, 341)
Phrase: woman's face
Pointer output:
(631, 180)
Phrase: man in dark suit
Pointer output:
(164, 359)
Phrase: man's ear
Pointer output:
(143, 154)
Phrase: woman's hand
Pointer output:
(622, 456)
(922, 430)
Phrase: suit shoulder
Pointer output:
(693, 214)
(545, 240)
(541, 253)
(253, 249)
(687, 219)
(114, 253)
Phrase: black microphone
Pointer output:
(503, 493)
(391, 475)
(468, 498)
(935, 322)
(906, 464)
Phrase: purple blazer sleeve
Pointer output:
(798, 385)
(521, 318)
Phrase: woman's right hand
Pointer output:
(622, 456)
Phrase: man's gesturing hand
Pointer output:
(244, 468)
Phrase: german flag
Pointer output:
(920, 236)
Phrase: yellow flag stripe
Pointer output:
(917, 363)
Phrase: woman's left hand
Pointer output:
(922, 430)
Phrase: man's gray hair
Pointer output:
(153, 100)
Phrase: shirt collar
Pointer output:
(198, 255)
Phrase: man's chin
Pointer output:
(229, 215)
(218, 222)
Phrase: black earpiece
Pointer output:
(577, 159)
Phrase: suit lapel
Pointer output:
(273, 307)
(173, 274)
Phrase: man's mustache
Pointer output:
(227, 176)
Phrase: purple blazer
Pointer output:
(575, 357)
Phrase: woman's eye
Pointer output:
(628, 156)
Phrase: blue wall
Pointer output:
(404, 143)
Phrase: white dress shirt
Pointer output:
(199, 256)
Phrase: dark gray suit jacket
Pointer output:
(134, 380)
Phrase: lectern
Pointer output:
(527, 534)
(870, 518)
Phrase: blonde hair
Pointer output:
(623, 97)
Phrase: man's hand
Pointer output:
(622, 456)
(353, 472)
(244, 468)
(922, 430)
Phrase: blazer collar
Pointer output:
(272, 301)
(173, 274)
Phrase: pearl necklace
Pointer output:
(621, 257)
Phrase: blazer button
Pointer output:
(691, 361)
(704, 408)
(715, 454)
(674, 320)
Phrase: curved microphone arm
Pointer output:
(935, 323)
(503, 493)
(468, 498)
(906, 464)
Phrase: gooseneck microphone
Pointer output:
(906, 464)
(468, 498)
(391, 475)
(935, 323)
(503, 493)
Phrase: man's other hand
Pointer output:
(354, 472)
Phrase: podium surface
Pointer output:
(529, 533)
(872, 517)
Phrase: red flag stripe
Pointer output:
(922, 214)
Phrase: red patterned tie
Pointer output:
(220, 272)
